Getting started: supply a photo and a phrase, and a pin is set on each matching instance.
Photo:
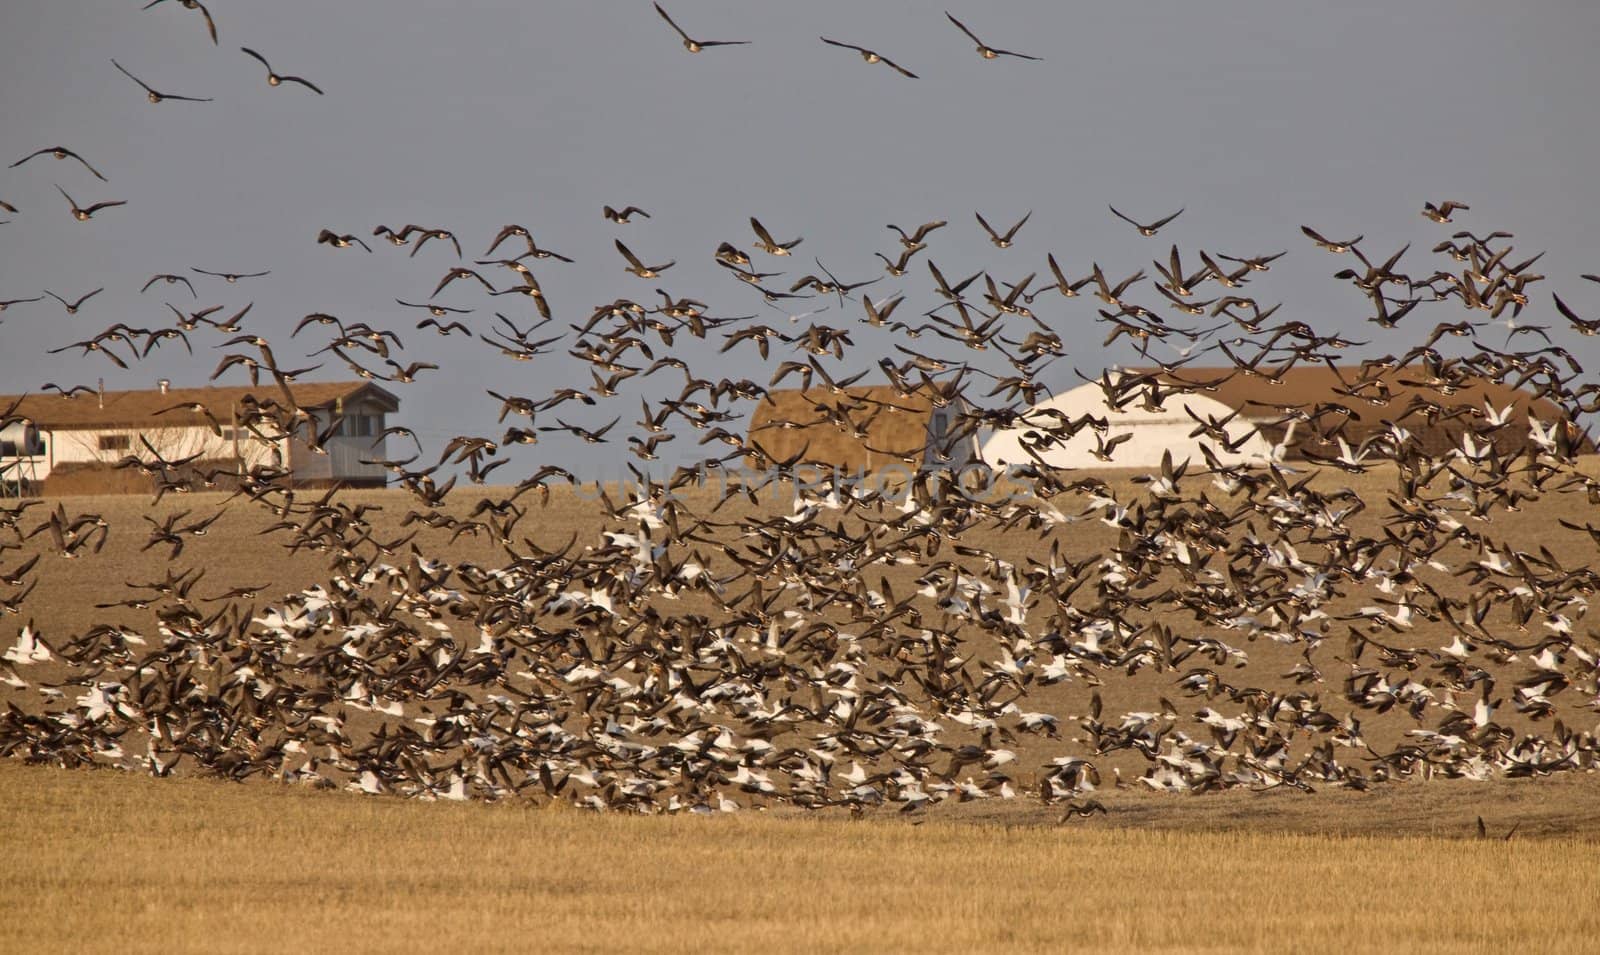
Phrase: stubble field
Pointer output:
(103, 861)
(120, 860)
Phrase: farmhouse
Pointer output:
(863, 430)
(55, 445)
(1249, 419)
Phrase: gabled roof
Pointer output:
(135, 409)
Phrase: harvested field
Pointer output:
(1082, 727)
(114, 862)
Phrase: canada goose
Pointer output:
(154, 96)
(871, 56)
(1175, 279)
(211, 25)
(767, 243)
(437, 311)
(1003, 241)
(729, 254)
(441, 234)
(231, 277)
(1584, 326)
(457, 274)
(596, 436)
(6, 303)
(60, 152)
(170, 280)
(530, 288)
(521, 232)
(92, 345)
(84, 214)
(897, 267)
(72, 307)
(914, 240)
(624, 215)
(1330, 245)
(1109, 294)
(275, 79)
(693, 45)
(1068, 289)
(1086, 808)
(329, 237)
(984, 50)
(1441, 213)
(1145, 230)
(1257, 263)
(639, 268)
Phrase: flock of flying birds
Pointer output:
(863, 645)
(871, 56)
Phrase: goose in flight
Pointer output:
(1441, 213)
(1145, 230)
(231, 277)
(872, 56)
(211, 25)
(154, 96)
(984, 50)
(60, 152)
(624, 215)
(277, 79)
(690, 43)
(768, 244)
(85, 213)
(639, 268)
(1002, 241)
(329, 237)
(72, 307)
(170, 280)
(1332, 245)
(29, 649)
(913, 240)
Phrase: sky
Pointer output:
(1256, 118)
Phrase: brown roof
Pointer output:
(894, 424)
(137, 408)
(1389, 398)
(1306, 385)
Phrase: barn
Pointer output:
(56, 445)
(862, 430)
(1250, 419)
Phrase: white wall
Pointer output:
(1152, 433)
(84, 447)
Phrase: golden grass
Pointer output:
(99, 861)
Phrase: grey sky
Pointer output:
(1257, 117)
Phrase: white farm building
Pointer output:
(1080, 429)
(50, 444)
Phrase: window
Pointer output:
(363, 426)
(115, 442)
(941, 424)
